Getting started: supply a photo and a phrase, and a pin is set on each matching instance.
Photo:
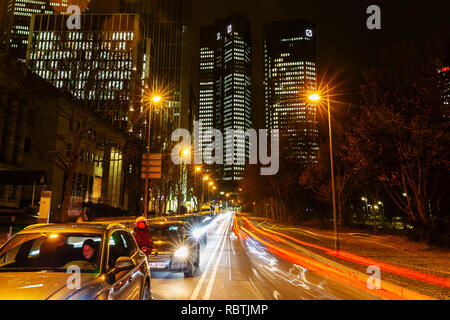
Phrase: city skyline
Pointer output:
(225, 150)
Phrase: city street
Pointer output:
(197, 150)
(250, 268)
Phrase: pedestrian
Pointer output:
(143, 235)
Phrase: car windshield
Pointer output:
(54, 252)
(168, 232)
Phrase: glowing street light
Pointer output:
(315, 97)
(185, 152)
(156, 100)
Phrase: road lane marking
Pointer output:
(229, 257)
(207, 294)
(205, 272)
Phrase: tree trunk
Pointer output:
(67, 194)
(421, 209)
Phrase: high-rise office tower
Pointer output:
(206, 85)
(101, 63)
(225, 89)
(167, 61)
(289, 74)
(16, 21)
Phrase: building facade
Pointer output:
(290, 73)
(37, 135)
(101, 63)
(16, 22)
(167, 64)
(225, 99)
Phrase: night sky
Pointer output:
(344, 44)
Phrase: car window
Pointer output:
(128, 242)
(115, 247)
(119, 246)
(56, 252)
(168, 232)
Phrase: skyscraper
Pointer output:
(167, 61)
(289, 74)
(16, 22)
(225, 89)
(101, 63)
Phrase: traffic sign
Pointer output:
(151, 166)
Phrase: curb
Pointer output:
(397, 290)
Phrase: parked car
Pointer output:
(174, 248)
(53, 261)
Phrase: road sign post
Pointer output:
(150, 169)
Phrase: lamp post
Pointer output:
(196, 170)
(366, 207)
(210, 184)
(315, 97)
(214, 189)
(156, 99)
(205, 178)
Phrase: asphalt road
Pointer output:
(232, 268)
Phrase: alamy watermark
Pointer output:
(374, 20)
(74, 280)
(374, 281)
(213, 147)
(74, 21)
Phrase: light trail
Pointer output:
(354, 280)
(435, 280)
(205, 272)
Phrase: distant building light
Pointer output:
(445, 69)
(229, 29)
(309, 33)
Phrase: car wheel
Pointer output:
(146, 294)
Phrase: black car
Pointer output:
(198, 224)
(174, 248)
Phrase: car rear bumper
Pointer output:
(168, 265)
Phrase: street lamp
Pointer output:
(366, 207)
(196, 170)
(315, 98)
(155, 99)
(205, 178)
(210, 185)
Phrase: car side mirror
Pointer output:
(124, 263)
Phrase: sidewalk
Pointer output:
(396, 251)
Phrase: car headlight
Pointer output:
(197, 233)
(181, 252)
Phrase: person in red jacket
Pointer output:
(143, 236)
